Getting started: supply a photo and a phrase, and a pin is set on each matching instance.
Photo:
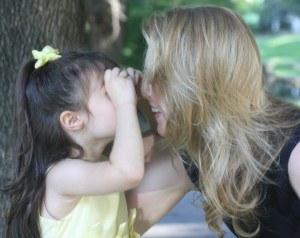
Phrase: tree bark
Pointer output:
(27, 25)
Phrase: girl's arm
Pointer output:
(128, 141)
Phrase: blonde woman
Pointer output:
(203, 78)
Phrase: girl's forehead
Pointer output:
(96, 79)
(96, 76)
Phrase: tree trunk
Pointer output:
(27, 25)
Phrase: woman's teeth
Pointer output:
(155, 110)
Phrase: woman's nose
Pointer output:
(147, 91)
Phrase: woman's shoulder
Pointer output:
(290, 161)
(294, 168)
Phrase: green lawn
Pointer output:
(281, 53)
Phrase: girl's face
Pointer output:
(102, 119)
(160, 113)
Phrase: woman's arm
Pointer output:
(164, 185)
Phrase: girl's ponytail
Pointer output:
(17, 188)
(22, 113)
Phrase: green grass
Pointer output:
(281, 53)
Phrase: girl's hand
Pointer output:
(137, 77)
(135, 74)
(120, 87)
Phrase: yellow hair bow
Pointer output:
(47, 54)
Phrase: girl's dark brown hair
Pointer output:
(40, 97)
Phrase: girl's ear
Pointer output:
(71, 120)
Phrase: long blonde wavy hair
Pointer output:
(204, 66)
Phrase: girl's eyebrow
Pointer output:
(102, 83)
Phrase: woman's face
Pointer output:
(160, 112)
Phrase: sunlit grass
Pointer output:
(281, 53)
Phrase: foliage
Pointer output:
(292, 6)
(257, 13)
(282, 63)
(137, 11)
(279, 52)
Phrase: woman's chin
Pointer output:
(161, 130)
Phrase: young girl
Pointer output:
(69, 107)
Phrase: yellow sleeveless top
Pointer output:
(104, 216)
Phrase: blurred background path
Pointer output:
(184, 221)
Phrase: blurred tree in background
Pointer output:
(276, 14)
(104, 26)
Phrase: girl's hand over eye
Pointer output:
(137, 77)
(135, 74)
(120, 87)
